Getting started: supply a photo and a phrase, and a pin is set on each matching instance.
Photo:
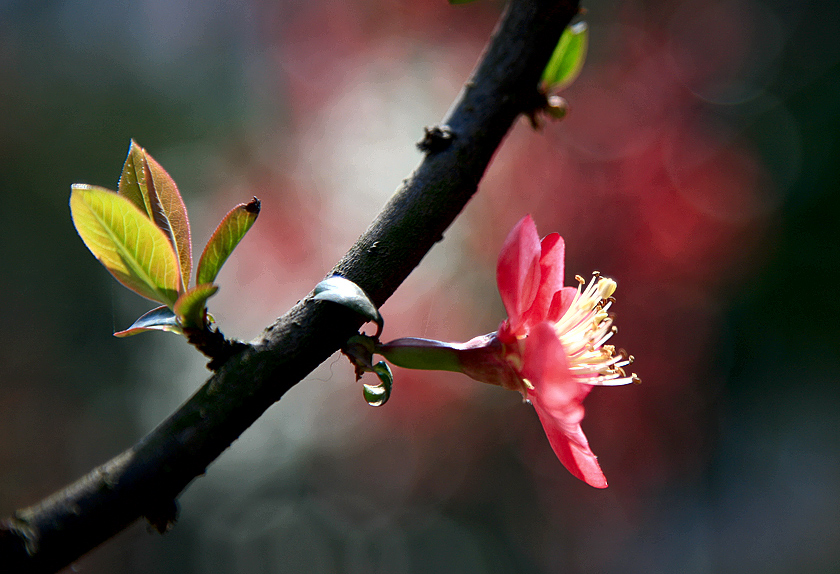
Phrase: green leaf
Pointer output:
(378, 395)
(158, 319)
(132, 248)
(190, 306)
(224, 240)
(148, 186)
(568, 57)
(344, 292)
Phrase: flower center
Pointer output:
(586, 327)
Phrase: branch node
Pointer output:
(213, 344)
(436, 138)
(163, 517)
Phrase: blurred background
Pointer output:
(698, 167)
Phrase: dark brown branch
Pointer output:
(147, 479)
(213, 345)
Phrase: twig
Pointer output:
(146, 479)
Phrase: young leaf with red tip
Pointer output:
(158, 319)
(190, 306)
(148, 186)
(132, 248)
(132, 183)
(171, 216)
(224, 240)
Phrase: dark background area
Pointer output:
(698, 167)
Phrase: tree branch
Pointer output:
(146, 479)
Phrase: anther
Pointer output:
(606, 287)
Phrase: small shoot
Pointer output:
(567, 60)
(563, 68)
(141, 234)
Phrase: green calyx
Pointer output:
(424, 354)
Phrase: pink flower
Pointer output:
(551, 348)
(554, 338)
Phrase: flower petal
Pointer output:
(553, 250)
(558, 400)
(518, 271)
(544, 362)
(560, 303)
(571, 447)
